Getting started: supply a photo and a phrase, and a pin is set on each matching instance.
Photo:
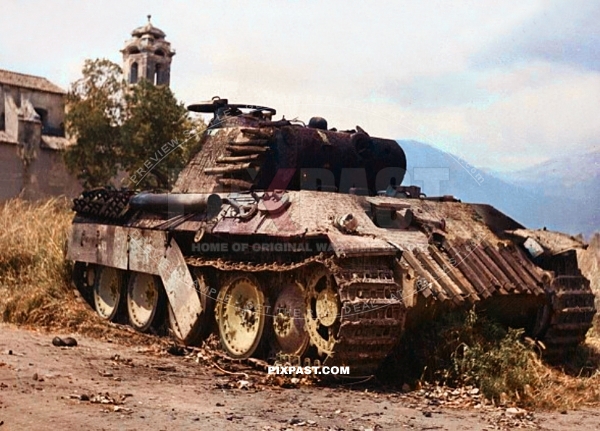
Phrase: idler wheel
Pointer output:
(240, 314)
(107, 291)
(202, 326)
(322, 311)
(288, 320)
(144, 297)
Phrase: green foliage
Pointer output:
(141, 129)
(463, 348)
(160, 138)
(490, 358)
(481, 353)
(95, 105)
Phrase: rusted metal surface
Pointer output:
(459, 271)
(141, 250)
(284, 146)
(100, 244)
(348, 245)
(553, 242)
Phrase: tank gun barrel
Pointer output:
(164, 202)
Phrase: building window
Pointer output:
(157, 74)
(43, 116)
(133, 74)
(2, 121)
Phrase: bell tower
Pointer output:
(147, 55)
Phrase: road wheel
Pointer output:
(240, 314)
(107, 291)
(145, 297)
(288, 320)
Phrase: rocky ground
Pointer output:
(102, 385)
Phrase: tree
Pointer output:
(94, 106)
(141, 130)
(158, 136)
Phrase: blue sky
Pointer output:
(503, 84)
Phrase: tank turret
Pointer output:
(247, 151)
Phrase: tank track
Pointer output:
(372, 316)
(371, 310)
(569, 316)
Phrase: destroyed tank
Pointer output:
(298, 242)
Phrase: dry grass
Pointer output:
(33, 272)
(35, 277)
(575, 386)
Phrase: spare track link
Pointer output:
(372, 316)
(571, 313)
(103, 203)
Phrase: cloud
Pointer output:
(528, 120)
(562, 32)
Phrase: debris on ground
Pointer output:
(64, 342)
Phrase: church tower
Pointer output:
(147, 55)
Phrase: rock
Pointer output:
(84, 397)
(58, 342)
(516, 412)
(220, 405)
(427, 414)
(35, 376)
(70, 342)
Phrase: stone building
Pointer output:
(147, 55)
(32, 137)
(32, 112)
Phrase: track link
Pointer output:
(372, 316)
(571, 311)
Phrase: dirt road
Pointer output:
(100, 385)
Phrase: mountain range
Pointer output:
(561, 194)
